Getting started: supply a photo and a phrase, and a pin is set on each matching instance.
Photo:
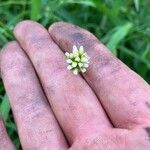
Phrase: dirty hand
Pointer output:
(107, 108)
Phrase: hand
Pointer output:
(108, 108)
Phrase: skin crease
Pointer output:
(107, 108)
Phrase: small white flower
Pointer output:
(86, 65)
(83, 70)
(78, 60)
(81, 50)
(75, 49)
(80, 64)
(74, 64)
(75, 71)
(67, 54)
(69, 61)
(69, 67)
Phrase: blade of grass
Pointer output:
(12, 130)
(11, 125)
(5, 30)
(136, 3)
(13, 3)
(5, 108)
(5, 33)
(1, 88)
(118, 36)
(3, 39)
(146, 53)
(134, 55)
(67, 16)
(115, 11)
(35, 9)
(101, 7)
(84, 2)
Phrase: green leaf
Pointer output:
(5, 108)
(146, 53)
(135, 55)
(67, 16)
(118, 36)
(35, 9)
(83, 2)
(11, 126)
(136, 3)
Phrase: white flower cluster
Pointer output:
(78, 60)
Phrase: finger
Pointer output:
(73, 102)
(5, 143)
(37, 126)
(124, 95)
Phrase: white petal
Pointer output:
(77, 59)
(69, 67)
(84, 59)
(69, 61)
(67, 54)
(81, 50)
(71, 55)
(75, 49)
(86, 65)
(74, 64)
(83, 70)
(75, 71)
(80, 64)
(86, 55)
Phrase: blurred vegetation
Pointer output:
(123, 25)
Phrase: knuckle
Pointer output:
(37, 42)
(108, 140)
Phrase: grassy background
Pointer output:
(123, 25)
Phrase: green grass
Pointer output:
(123, 25)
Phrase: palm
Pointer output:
(106, 108)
